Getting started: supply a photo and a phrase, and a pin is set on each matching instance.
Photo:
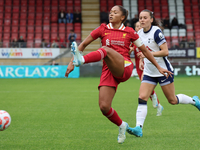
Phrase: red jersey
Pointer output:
(117, 39)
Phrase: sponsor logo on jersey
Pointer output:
(113, 42)
(107, 33)
(121, 43)
(107, 42)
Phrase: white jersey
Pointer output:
(152, 39)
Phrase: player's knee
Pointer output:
(104, 107)
(141, 101)
(143, 97)
(172, 101)
(107, 49)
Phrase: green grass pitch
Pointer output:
(63, 114)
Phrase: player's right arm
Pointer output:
(85, 42)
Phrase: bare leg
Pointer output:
(146, 90)
(173, 99)
(113, 59)
(106, 95)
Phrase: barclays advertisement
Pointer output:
(37, 72)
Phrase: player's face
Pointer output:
(137, 26)
(145, 19)
(115, 15)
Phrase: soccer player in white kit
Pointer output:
(154, 40)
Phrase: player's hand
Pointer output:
(140, 55)
(165, 72)
(141, 64)
(70, 68)
(131, 49)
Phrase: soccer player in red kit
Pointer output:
(117, 66)
(138, 62)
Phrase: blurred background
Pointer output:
(40, 32)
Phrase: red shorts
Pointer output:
(108, 79)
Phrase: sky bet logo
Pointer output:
(39, 53)
(11, 53)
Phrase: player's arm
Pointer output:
(131, 49)
(141, 64)
(160, 40)
(150, 57)
(163, 51)
(85, 42)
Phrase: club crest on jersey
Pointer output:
(150, 40)
(124, 35)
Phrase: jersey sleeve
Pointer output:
(159, 37)
(98, 32)
(136, 39)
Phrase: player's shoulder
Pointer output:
(140, 31)
(129, 29)
(102, 26)
(156, 28)
(158, 32)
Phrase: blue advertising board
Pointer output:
(57, 71)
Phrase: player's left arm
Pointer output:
(160, 40)
(163, 51)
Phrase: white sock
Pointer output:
(83, 60)
(184, 99)
(154, 94)
(141, 114)
(159, 105)
(123, 124)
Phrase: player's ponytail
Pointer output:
(124, 12)
(155, 22)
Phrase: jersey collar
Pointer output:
(148, 30)
(122, 27)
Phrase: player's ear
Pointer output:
(151, 20)
(122, 18)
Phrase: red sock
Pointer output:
(152, 92)
(95, 56)
(113, 117)
(156, 95)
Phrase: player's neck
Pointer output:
(146, 29)
(116, 25)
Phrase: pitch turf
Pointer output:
(63, 114)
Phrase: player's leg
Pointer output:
(153, 96)
(173, 99)
(144, 93)
(113, 59)
(106, 95)
(156, 103)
